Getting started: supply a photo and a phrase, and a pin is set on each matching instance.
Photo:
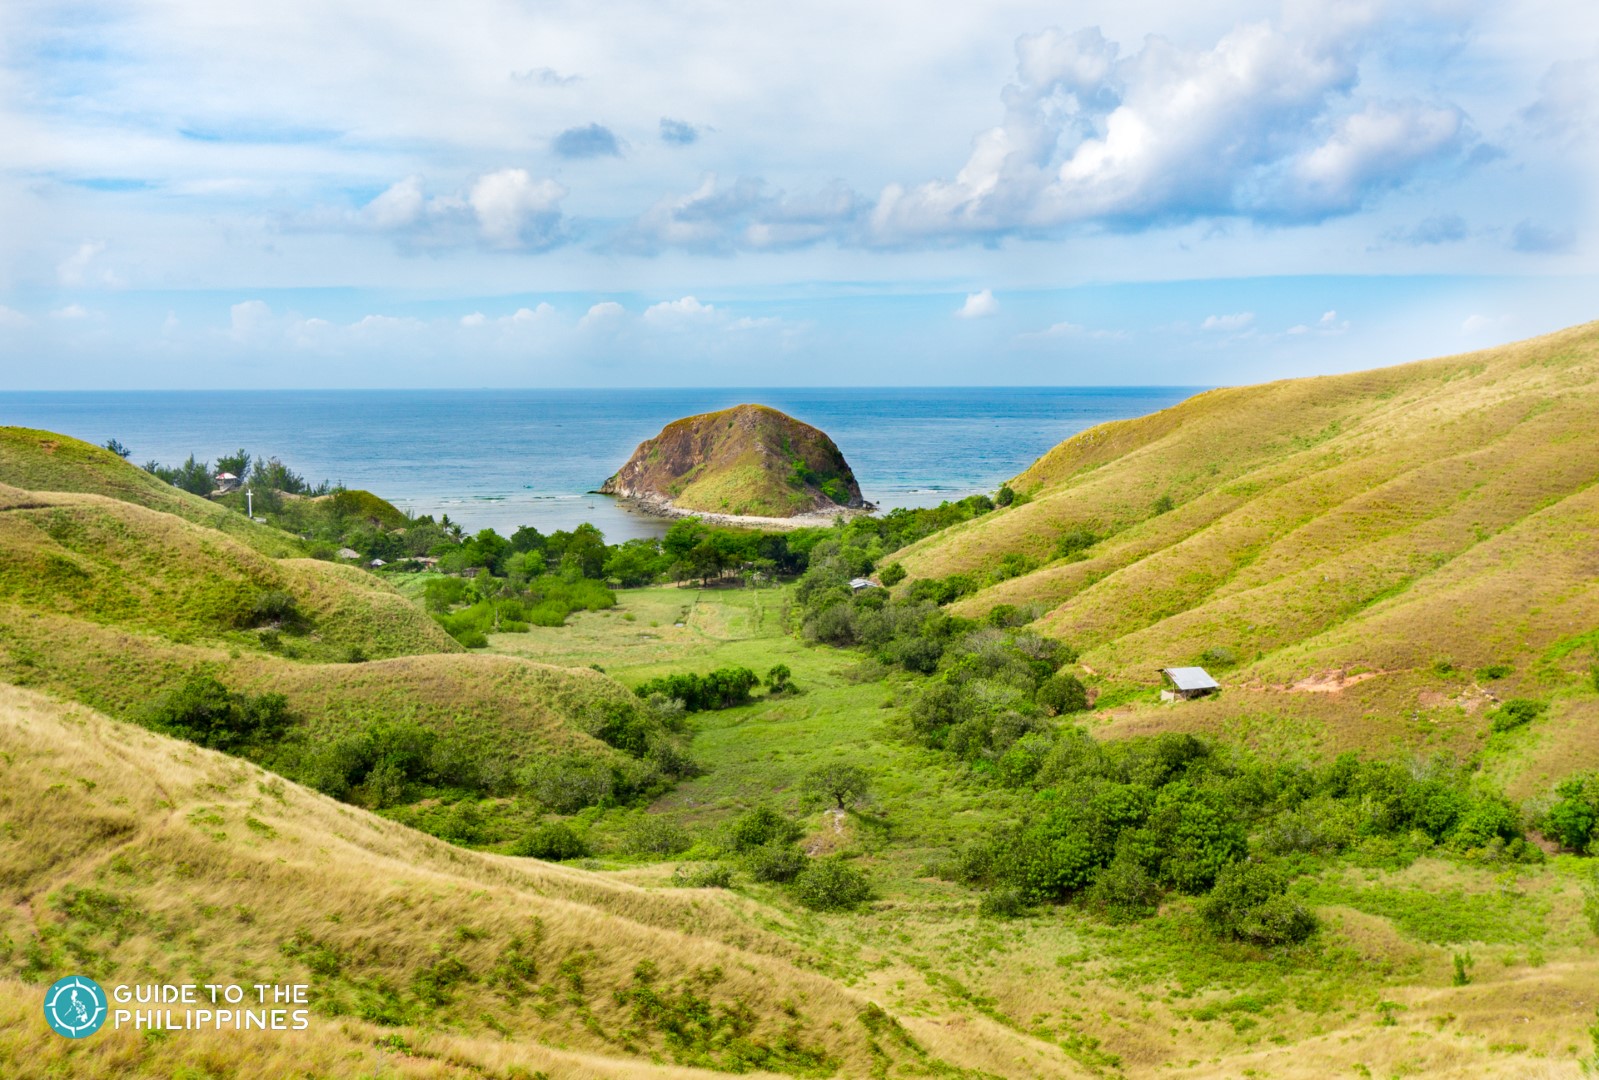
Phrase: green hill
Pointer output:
(747, 460)
(44, 461)
(1378, 537)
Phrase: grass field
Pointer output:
(1156, 998)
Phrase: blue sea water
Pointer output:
(504, 458)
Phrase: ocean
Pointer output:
(505, 458)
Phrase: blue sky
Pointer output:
(314, 193)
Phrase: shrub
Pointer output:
(779, 680)
(553, 841)
(891, 575)
(723, 688)
(833, 626)
(1515, 713)
(831, 884)
(775, 862)
(1250, 903)
(204, 711)
(1574, 816)
(1004, 496)
(1074, 541)
(1494, 671)
(566, 785)
(652, 834)
(761, 826)
(1164, 504)
(714, 876)
(1123, 891)
(1005, 902)
(274, 606)
(1062, 693)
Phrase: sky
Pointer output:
(317, 193)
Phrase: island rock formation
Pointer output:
(747, 461)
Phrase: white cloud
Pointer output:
(71, 313)
(1373, 149)
(13, 318)
(1068, 329)
(606, 311)
(978, 305)
(400, 205)
(1259, 125)
(1329, 323)
(79, 268)
(1228, 323)
(515, 211)
(249, 321)
(477, 318)
(679, 312)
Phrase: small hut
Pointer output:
(1187, 682)
(861, 584)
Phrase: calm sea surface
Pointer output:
(503, 458)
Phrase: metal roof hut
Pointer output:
(860, 583)
(1188, 682)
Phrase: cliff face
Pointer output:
(747, 460)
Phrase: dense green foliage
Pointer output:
(724, 688)
(204, 711)
(831, 884)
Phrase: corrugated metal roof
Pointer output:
(862, 583)
(1190, 678)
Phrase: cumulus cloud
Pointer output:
(1535, 239)
(477, 318)
(515, 211)
(11, 317)
(1067, 329)
(978, 305)
(1265, 124)
(400, 205)
(589, 141)
(72, 313)
(678, 132)
(606, 311)
(1228, 323)
(678, 312)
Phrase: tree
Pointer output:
(118, 449)
(1004, 496)
(842, 785)
(1061, 694)
(891, 575)
(237, 463)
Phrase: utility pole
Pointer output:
(249, 503)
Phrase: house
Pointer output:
(860, 583)
(226, 481)
(375, 563)
(1188, 682)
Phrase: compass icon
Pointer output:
(75, 1007)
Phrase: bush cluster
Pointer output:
(723, 688)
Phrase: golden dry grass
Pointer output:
(1435, 516)
(216, 864)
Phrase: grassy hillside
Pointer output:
(118, 563)
(44, 461)
(134, 857)
(1402, 528)
(749, 459)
